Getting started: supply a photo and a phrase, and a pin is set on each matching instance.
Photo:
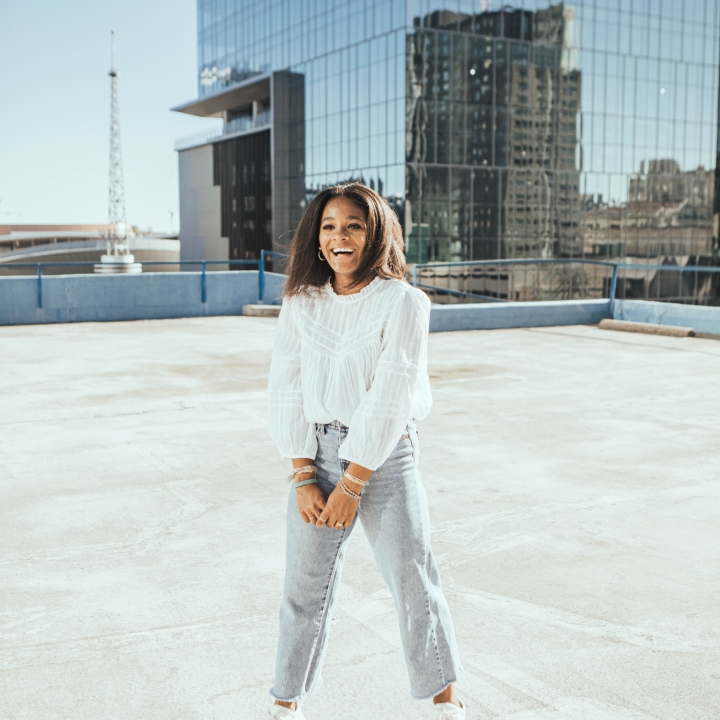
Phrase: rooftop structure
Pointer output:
(573, 479)
(118, 258)
(47, 244)
(496, 130)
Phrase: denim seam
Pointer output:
(432, 627)
(323, 607)
(427, 600)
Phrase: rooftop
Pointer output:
(573, 476)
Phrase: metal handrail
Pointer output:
(616, 267)
(460, 293)
(260, 264)
(78, 263)
(228, 130)
(266, 254)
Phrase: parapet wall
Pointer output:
(148, 296)
(698, 317)
(492, 316)
(153, 296)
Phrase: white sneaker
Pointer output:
(282, 713)
(448, 711)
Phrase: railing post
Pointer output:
(613, 290)
(204, 283)
(414, 280)
(39, 285)
(261, 277)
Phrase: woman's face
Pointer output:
(343, 235)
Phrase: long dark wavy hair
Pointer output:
(383, 256)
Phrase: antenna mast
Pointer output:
(116, 198)
(118, 257)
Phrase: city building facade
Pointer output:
(582, 130)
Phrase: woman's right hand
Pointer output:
(310, 502)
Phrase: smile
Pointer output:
(342, 251)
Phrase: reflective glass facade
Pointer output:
(585, 129)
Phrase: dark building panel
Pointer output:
(241, 168)
(288, 107)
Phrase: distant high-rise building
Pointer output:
(495, 131)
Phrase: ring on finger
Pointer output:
(339, 524)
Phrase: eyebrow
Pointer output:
(350, 217)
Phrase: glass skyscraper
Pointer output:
(585, 129)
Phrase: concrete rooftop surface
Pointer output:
(573, 476)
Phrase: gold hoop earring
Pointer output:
(320, 255)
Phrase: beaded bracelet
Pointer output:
(301, 470)
(348, 491)
(356, 480)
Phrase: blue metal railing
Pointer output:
(260, 264)
(459, 293)
(265, 255)
(612, 294)
(89, 263)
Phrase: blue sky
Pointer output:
(55, 107)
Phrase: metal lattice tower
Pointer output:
(118, 258)
(116, 198)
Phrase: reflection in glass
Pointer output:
(525, 129)
(508, 101)
(578, 130)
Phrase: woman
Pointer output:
(348, 376)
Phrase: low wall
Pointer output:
(153, 296)
(148, 296)
(492, 316)
(699, 318)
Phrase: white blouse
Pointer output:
(360, 359)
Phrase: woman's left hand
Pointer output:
(339, 510)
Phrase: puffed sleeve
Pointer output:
(292, 433)
(387, 406)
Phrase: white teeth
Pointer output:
(342, 251)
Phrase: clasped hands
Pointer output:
(334, 511)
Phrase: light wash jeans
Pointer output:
(394, 514)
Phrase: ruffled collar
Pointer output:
(367, 290)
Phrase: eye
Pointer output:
(327, 226)
(355, 226)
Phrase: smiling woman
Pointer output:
(343, 240)
(347, 381)
(349, 235)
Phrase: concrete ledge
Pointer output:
(152, 296)
(261, 310)
(486, 316)
(646, 328)
(700, 318)
(149, 296)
